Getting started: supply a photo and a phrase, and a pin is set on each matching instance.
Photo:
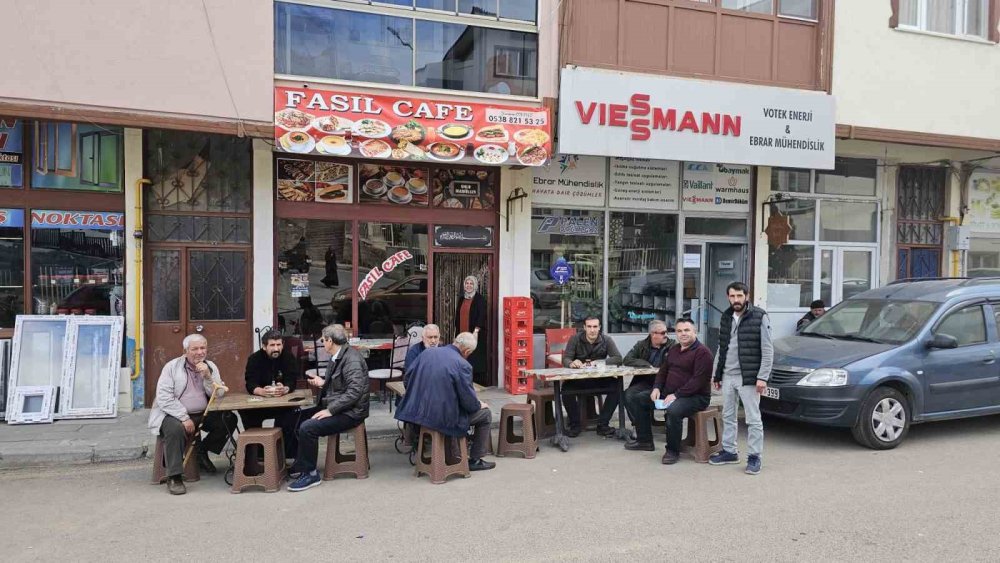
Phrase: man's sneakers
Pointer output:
(481, 465)
(637, 446)
(670, 458)
(306, 481)
(175, 486)
(753, 464)
(605, 431)
(724, 457)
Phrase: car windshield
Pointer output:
(873, 320)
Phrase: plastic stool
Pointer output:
(434, 463)
(339, 463)
(191, 472)
(274, 460)
(526, 443)
(544, 418)
(696, 442)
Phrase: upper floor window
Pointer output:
(951, 17)
(483, 53)
(805, 9)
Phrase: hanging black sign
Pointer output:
(463, 236)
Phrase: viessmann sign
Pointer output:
(608, 113)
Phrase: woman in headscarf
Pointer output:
(470, 316)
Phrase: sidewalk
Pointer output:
(69, 442)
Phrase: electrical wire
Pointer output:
(241, 129)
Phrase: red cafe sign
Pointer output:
(376, 274)
(335, 123)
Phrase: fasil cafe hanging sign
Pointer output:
(607, 113)
(377, 273)
(336, 123)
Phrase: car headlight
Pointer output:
(824, 377)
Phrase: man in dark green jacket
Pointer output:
(648, 352)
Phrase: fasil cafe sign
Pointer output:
(607, 113)
(376, 273)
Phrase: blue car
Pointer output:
(915, 351)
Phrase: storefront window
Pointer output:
(314, 263)
(77, 156)
(642, 271)
(845, 221)
(577, 236)
(77, 269)
(790, 180)
(790, 276)
(12, 147)
(801, 217)
(392, 277)
(11, 266)
(984, 258)
(850, 176)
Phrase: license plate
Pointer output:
(772, 393)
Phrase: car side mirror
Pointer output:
(943, 341)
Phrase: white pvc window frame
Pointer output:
(105, 373)
(57, 350)
(961, 19)
(20, 396)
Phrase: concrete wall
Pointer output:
(145, 55)
(893, 79)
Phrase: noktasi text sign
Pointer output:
(606, 113)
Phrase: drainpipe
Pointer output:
(137, 328)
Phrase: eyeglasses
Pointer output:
(661, 333)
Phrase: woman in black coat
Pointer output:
(470, 316)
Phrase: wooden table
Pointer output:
(557, 375)
(303, 398)
(397, 387)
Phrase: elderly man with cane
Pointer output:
(186, 387)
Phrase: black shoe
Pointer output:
(175, 486)
(572, 431)
(204, 463)
(605, 431)
(481, 465)
(670, 458)
(637, 446)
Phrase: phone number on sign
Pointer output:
(516, 118)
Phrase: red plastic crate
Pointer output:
(520, 302)
(518, 330)
(517, 324)
(521, 361)
(519, 347)
(519, 385)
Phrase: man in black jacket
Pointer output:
(272, 372)
(343, 404)
(648, 352)
(581, 351)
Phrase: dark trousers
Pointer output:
(310, 431)
(217, 427)
(681, 408)
(640, 409)
(600, 386)
(285, 419)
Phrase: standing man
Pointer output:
(272, 372)
(440, 396)
(582, 351)
(430, 339)
(745, 358)
(343, 404)
(182, 394)
(648, 352)
(816, 310)
(685, 383)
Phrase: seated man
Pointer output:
(430, 339)
(272, 372)
(343, 404)
(685, 383)
(581, 351)
(816, 310)
(440, 396)
(182, 395)
(648, 352)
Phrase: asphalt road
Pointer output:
(819, 497)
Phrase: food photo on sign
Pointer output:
(464, 189)
(309, 121)
(306, 180)
(400, 185)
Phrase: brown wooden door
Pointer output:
(450, 270)
(191, 289)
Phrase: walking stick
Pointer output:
(204, 415)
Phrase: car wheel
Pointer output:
(884, 419)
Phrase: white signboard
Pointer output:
(579, 181)
(716, 187)
(641, 183)
(984, 203)
(645, 116)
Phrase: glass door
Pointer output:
(844, 273)
(726, 264)
(692, 290)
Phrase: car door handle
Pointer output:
(989, 359)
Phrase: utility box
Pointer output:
(957, 237)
